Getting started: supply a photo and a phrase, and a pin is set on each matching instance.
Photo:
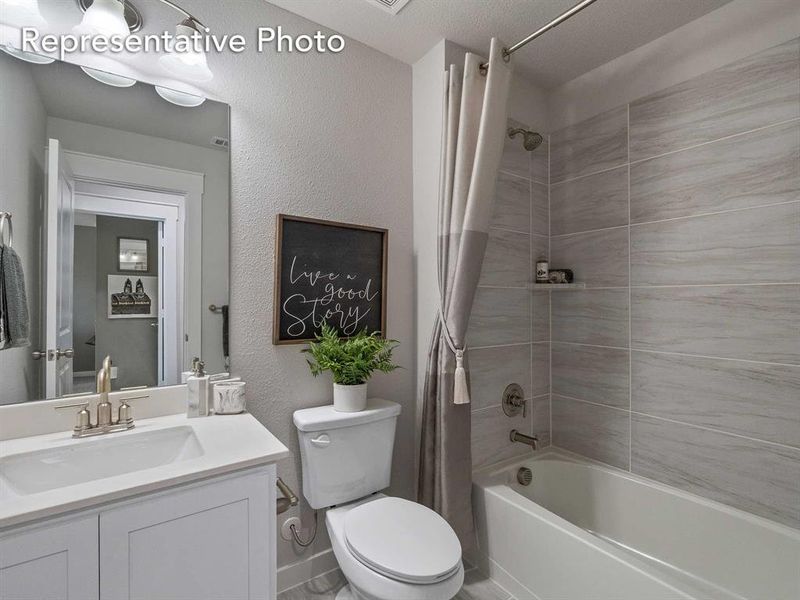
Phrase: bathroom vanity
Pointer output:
(173, 508)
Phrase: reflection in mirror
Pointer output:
(119, 203)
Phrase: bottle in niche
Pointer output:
(542, 271)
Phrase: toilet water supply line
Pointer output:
(284, 503)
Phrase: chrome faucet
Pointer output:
(105, 422)
(530, 440)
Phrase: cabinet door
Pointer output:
(209, 541)
(51, 563)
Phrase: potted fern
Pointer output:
(351, 361)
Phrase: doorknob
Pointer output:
(38, 355)
(68, 353)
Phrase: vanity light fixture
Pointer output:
(109, 78)
(31, 57)
(22, 13)
(190, 63)
(104, 17)
(180, 98)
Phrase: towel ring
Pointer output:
(5, 218)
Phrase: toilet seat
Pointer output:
(423, 549)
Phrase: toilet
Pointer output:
(388, 548)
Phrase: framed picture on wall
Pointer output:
(133, 254)
(328, 271)
(132, 297)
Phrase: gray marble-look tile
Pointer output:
(752, 399)
(541, 420)
(598, 317)
(599, 432)
(600, 375)
(758, 168)
(540, 368)
(507, 259)
(757, 245)
(760, 90)
(492, 369)
(593, 202)
(596, 144)
(758, 322)
(515, 158)
(512, 203)
(478, 586)
(323, 587)
(541, 316)
(540, 212)
(760, 478)
(490, 436)
(540, 161)
(500, 316)
(597, 258)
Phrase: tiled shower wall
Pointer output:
(509, 332)
(681, 213)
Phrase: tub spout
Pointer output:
(516, 436)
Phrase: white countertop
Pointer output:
(229, 443)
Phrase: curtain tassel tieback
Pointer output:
(461, 391)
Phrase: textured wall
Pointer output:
(509, 331)
(22, 128)
(681, 213)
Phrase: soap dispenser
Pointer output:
(197, 391)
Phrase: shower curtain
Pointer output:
(473, 135)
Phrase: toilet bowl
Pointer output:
(388, 548)
(393, 549)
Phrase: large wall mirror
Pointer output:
(119, 211)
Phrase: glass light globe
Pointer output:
(109, 78)
(22, 13)
(104, 17)
(180, 98)
(189, 64)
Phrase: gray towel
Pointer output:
(13, 301)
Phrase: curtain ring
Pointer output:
(6, 218)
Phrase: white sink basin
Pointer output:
(93, 459)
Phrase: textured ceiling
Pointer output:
(601, 32)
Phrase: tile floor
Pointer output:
(476, 587)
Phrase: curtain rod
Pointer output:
(557, 21)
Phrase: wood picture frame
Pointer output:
(331, 254)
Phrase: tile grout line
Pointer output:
(667, 220)
(641, 160)
(681, 354)
(531, 378)
(677, 422)
(549, 295)
(630, 305)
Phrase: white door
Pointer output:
(60, 235)
(204, 542)
(58, 562)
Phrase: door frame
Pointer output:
(167, 211)
(100, 176)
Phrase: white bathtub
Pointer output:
(585, 531)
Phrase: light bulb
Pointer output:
(191, 63)
(109, 78)
(104, 17)
(180, 98)
(22, 13)
(31, 57)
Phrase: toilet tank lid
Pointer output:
(324, 417)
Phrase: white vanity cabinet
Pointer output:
(211, 540)
(49, 562)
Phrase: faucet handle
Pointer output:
(124, 414)
(83, 420)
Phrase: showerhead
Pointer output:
(530, 139)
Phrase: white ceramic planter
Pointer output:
(349, 398)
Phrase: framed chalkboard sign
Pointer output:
(327, 271)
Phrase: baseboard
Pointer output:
(294, 574)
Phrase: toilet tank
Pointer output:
(346, 456)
